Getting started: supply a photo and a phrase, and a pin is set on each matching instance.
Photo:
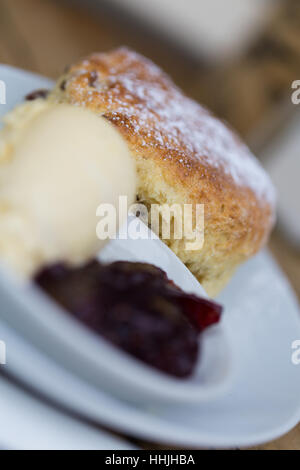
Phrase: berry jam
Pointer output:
(137, 308)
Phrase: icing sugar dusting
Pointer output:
(135, 94)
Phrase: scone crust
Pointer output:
(183, 155)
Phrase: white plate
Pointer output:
(90, 356)
(262, 318)
(23, 426)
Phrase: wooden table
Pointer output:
(44, 36)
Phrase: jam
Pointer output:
(135, 307)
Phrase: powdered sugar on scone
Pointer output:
(136, 95)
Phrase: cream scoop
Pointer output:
(58, 163)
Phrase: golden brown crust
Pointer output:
(183, 154)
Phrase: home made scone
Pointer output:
(183, 154)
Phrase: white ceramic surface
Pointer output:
(263, 318)
(262, 321)
(88, 355)
(28, 424)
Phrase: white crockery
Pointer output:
(25, 308)
(55, 333)
(264, 403)
(29, 424)
(261, 321)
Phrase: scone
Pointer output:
(183, 154)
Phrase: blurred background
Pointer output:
(239, 58)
